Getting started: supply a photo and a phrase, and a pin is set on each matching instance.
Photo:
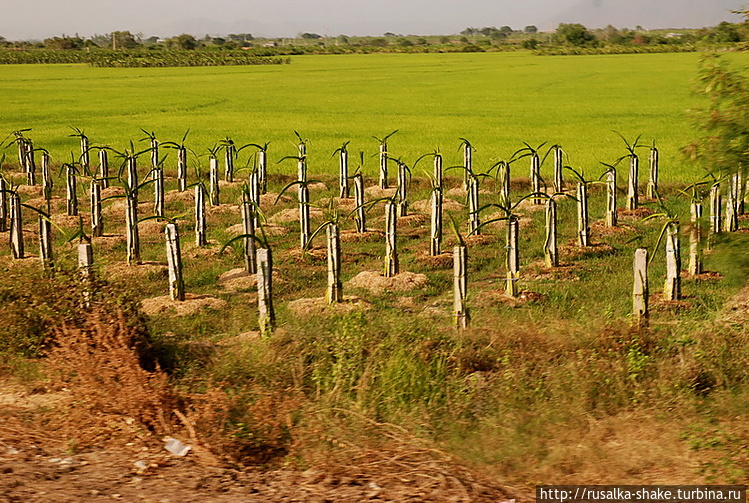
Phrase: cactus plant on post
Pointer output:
(669, 233)
(583, 226)
(131, 186)
(230, 153)
(513, 258)
(71, 191)
(20, 141)
(16, 226)
(85, 158)
(474, 222)
(157, 175)
(502, 179)
(131, 212)
(640, 291)
(47, 183)
(672, 288)
(334, 290)
(304, 204)
(551, 255)
(248, 229)
(361, 215)
(254, 191)
(383, 155)
(583, 221)
(262, 167)
(652, 188)
(86, 267)
(436, 221)
(467, 162)
(558, 168)
(181, 161)
(402, 188)
(460, 286)
(45, 241)
(535, 167)
(200, 223)
(715, 213)
(392, 266)
(3, 204)
(103, 168)
(30, 163)
(611, 215)
(174, 262)
(214, 191)
(343, 177)
(634, 168)
(97, 222)
(695, 238)
(266, 313)
(696, 193)
(732, 219)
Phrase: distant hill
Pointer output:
(650, 14)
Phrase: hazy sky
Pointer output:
(35, 19)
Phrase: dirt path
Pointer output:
(126, 464)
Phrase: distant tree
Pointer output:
(218, 41)
(421, 41)
(470, 31)
(444, 40)
(342, 39)
(389, 34)
(531, 43)
(725, 32)
(378, 42)
(575, 34)
(152, 40)
(641, 39)
(506, 29)
(404, 42)
(63, 43)
(530, 29)
(310, 36)
(185, 41)
(123, 40)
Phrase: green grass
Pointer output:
(496, 100)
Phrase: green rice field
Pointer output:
(495, 100)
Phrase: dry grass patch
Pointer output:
(378, 284)
(352, 236)
(292, 215)
(120, 270)
(424, 205)
(319, 306)
(191, 305)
